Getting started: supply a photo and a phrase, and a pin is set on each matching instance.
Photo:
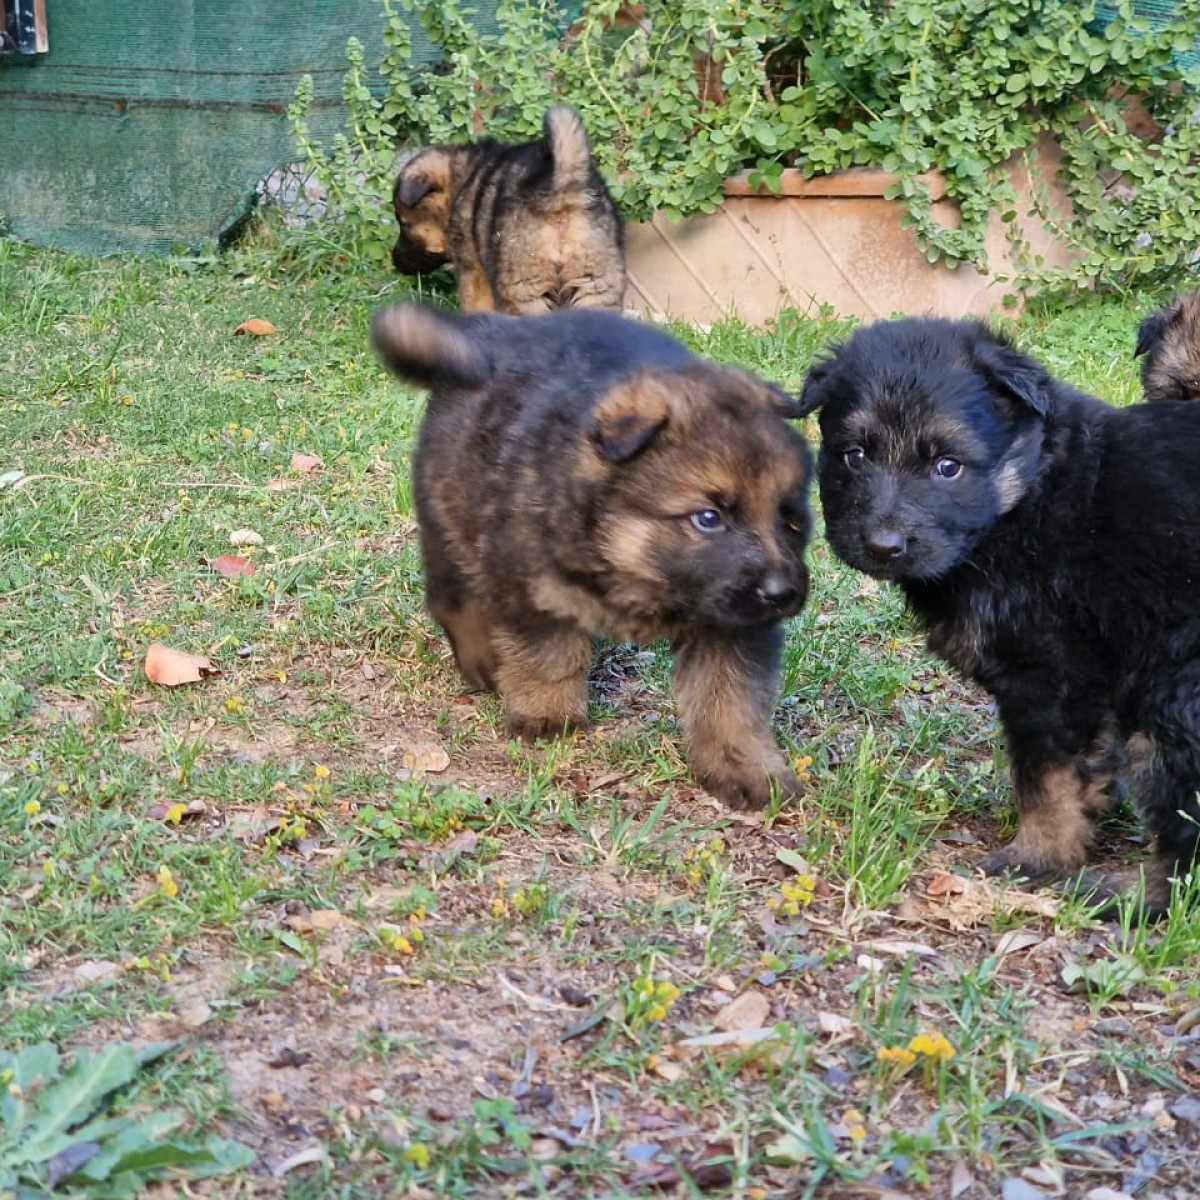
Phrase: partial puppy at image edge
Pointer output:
(1168, 342)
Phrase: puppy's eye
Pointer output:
(708, 520)
(855, 457)
(947, 468)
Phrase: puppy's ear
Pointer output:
(813, 394)
(412, 187)
(1006, 368)
(630, 417)
(1152, 329)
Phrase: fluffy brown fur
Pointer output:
(1170, 341)
(579, 474)
(528, 228)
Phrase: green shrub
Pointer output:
(958, 86)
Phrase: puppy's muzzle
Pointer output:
(781, 594)
(410, 259)
(885, 545)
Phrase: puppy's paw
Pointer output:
(531, 728)
(1017, 861)
(1012, 860)
(1144, 894)
(752, 789)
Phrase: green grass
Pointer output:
(254, 866)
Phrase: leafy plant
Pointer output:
(691, 93)
(58, 1127)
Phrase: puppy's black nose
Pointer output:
(778, 590)
(886, 543)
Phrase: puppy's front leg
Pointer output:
(725, 686)
(475, 290)
(541, 673)
(1056, 807)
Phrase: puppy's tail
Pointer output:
(429, 346)
(569, 149)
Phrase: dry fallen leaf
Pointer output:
(303, 464)
(946, 885)
(173, 667)
(749, 1011)
(328, 918)
(191, 1009)
(837, 1025)
(763, 1044)
(438, 858)
(256, 327)
(232, 564)
(245, 537)
(970, 901)
(1017, 939)
(425, 758)
(302, 1158)
(97, 971)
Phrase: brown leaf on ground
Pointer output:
(946, 885)
(962, 903)
(705, 1169)
(749, 1011)
(438, 858)
(305, 464)
(229, 565)
(170, 668)
(97, 971)
(837, 1025)
(256, 327)
(426, 758)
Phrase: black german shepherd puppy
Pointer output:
(1050, 544)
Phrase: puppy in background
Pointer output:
(1170, 341)
(1050, 544)
(527, 228)
(580, 474)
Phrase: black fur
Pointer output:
(1050, 544)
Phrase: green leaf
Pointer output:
(789, 1150)
(793, 859)
(71, 1100)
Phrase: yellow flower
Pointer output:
(418, 1155)
(395, 940)
(896, 1054)
(166, 881)
(234, 704)
(33, 808)
(932, 1045)
(321, 771)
